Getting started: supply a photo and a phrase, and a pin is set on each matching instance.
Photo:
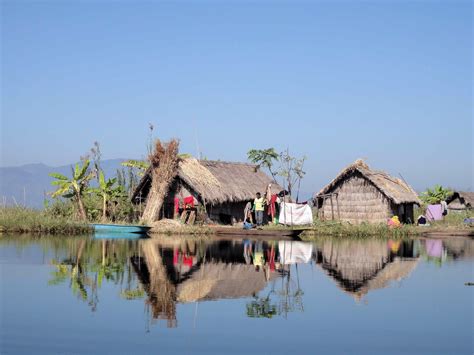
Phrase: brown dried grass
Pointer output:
(164, 166)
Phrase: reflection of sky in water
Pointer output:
(331, 296)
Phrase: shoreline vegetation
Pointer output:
(24, 220)
(88, 196)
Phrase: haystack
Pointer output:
(164, 164)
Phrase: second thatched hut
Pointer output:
(460, 201)
(358, 194)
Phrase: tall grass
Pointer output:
(363, 230)
(26, 220)
(454, 221)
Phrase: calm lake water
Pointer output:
(84, 295)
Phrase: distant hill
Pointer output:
(27, 184)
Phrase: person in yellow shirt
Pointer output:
(259, 207)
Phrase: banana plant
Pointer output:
(106, 191)
(140, 165)
(435, 195)
(75, 187)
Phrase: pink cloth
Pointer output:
(434, 212)
(434, 248)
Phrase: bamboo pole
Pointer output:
(332, 208)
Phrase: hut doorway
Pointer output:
(333, 200)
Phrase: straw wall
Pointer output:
(358, 200)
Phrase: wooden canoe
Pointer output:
(446, 234)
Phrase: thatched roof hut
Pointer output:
(223, 187)
(362, 266)
(459, 248)
(359, 194)
(460, 201)
(353, 262)
(222, 280)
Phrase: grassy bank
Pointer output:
(364, 230)
(453, 222)
(165, 228)
(25, 220)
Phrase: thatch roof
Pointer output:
(397, 270)
(467, 198)
(221, 280)
(393, 188)
(216, 181)
(394, 271)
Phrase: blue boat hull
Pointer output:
(121, 236)
(120, 228)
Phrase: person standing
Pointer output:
(258, 206)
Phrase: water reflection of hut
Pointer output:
(223, 187)
(361, 266)
(396, 270)
(459, 248)
(360, 194)
(217, 271)
(221, 280)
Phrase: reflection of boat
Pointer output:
(120, 228)
(111, 235)
(232, 231)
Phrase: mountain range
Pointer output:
(28, 184)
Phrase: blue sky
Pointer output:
(389, 81)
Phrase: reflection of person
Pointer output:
(258, 258)
(247, 251)
(393, 245)
(258, 206)
(271, 256)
